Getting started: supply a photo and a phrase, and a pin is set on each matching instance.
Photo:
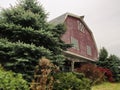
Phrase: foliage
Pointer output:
(113, 65)
(71, 81)
(26, 13)
(12, 81)
(111, 62)
(103, 54)
(107, 73)
(20, 57)
(91, 71)
(47, 77)
(43, 78)
(26, 37)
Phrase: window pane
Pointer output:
(80, 26)
(75, 43)
(89, 50)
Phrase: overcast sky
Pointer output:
(102, 16)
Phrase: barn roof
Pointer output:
(62, 18)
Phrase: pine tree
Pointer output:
(25, 36)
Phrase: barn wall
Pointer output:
(84, 38)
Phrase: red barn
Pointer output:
(77, 33)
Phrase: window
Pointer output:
(89, 52)
(75, 43)
(80, 26)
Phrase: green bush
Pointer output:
(71, 81)
(12, 81)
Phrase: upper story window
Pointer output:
(89, 51)
(75, 43)
(80, 26)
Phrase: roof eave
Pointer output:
(79, 56)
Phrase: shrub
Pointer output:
(71, 81)
(12, 81)
(107, 73)
(90, 71)
(43, 75)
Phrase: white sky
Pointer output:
(102, 16)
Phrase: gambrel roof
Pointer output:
(62, 18)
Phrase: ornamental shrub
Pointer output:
(12, 81)
(107, 73)
(43, 75)
(71, 81)
(90, 71)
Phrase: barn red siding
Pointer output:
(84, 38)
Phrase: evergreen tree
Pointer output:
(103, 54)
(111, 62)
(25, 36)
(114, 65)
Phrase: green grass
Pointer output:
(107, 86)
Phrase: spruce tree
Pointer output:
(103, 55)
(114, 65)
(25, 36)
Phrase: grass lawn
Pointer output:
(107, 86)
